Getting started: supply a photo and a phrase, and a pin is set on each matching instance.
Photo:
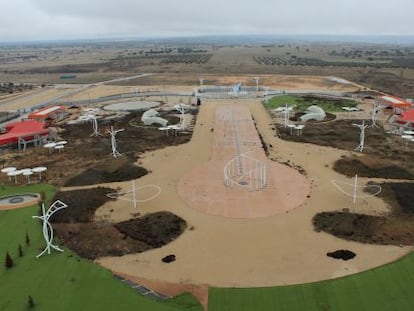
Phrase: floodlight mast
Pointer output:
(257, 83)
(286, 112)
(266, 94)
(126, 196)
(343, 186)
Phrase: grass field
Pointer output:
(63, 281)
(389, 287)
(301, 104)
(60, 281)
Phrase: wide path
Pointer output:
(267, 251)
(260, 187)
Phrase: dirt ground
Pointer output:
(88, 160)
(384, 157)
(79, 229)
(206, 252)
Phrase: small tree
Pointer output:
(9, 261)
(20, 250)
(27, 239)
(30, 302)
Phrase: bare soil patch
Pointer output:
(372, 167)
(384, 155)
(396, 228)
(343, 254)
(156, 229)
(88, 160)
(89, 238)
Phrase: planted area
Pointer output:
(156, 229)
(88, 160)
(396, 228)
(301, 103)
(119, 169)
(82, 204)
(59, 281)
(78, 229)
(372, 167)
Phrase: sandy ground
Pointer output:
(242, 252)
(256, 186)
(219, 251)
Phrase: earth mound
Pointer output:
(395, 228)
(371, 167)
(343, 254)
(156, 229)
(77, 228)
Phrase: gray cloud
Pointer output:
(51, 19)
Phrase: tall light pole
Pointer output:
(257, 83)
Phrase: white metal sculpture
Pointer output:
(181, 109)
(352, 189)
(131, 195)
(47, 227)
(115, 152)
(375, 110)
(362, 128)
(245, 172)
(201, 81)
(94, 125)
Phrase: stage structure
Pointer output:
(362, 128)
(354, 189)
(131, 195)
(245, 172)
(115, 152)
(47, 227)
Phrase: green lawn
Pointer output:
(303, 103)
(60, 281)
(389, 287)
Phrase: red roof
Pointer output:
(47, 112)
(407, 116)
(25, 129)
(395, 102)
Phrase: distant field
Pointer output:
(61, 281)
(387, 68)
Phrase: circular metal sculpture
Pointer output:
(131, 195)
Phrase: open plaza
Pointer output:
(264, 175)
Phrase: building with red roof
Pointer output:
(26, 131)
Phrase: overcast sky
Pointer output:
(75, 19)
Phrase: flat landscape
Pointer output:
(206, 226)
